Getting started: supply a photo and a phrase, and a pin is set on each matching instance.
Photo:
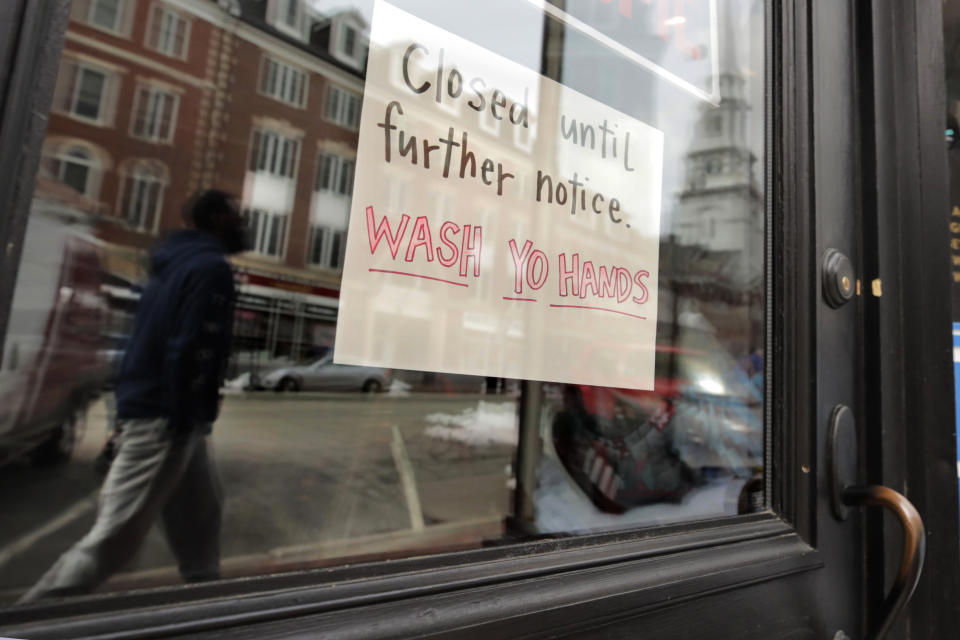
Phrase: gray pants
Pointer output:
(152, 476)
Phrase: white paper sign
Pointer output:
(501, 224)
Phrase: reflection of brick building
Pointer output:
(130, 99)
(157, 98)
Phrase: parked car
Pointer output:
(324, 375)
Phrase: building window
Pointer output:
(343, 107)
(290, 11)
(327, 246)
(154, 115)
(267, 232)
(714, 166)
(74, 170)
(169, 32)
(274, 154)
(334, 174)
(105, 14)
(349, 41)
(108, 15)
(142, 196)
(76, 167)
(85, 91)
(283, 82)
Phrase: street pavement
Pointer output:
(308, 480)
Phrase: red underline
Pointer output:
(519, 299)
(576, 306)
(417, 275)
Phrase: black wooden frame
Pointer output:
(906, 217)
(565, 585)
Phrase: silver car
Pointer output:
(324, 375)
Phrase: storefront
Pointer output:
(646, 299)
(280, 320)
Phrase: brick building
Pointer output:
(158, 98)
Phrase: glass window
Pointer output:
(533, 127)
(75, 173)
(283, 82)
(334, 174)
(349, 40)
(142, 195)
(155, 114)
(326, 247)
(85, 92)
(75, 167)
(90, 94)
(267, 232)
(274, 153)
(343, 107)
(290, 11)
(168, 32)
(112, 16)
(106, 14)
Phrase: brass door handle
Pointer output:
(914, 547)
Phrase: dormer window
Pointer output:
(349, 40)
(287, 16)
(290, 13)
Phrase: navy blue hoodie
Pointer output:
(177, 353)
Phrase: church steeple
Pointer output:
(719, 202)
(719, 155)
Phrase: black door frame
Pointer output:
(576, 585)
(906, 213)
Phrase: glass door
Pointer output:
(568, 259)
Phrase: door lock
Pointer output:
(838, 278)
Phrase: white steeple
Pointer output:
(719, 206)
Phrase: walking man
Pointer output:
(167, 396)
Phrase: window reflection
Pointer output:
(321, 462)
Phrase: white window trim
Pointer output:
(326, 249)
(342, 108)
(305, 80)
(94, 168)
(174, 113)
(359, 42)
(296, 159)
(338, 32)
(280, 22)
(186, 32)
(124, 216)
(108, 98)
(123, 18)
(340, 162)
(342, 40)
(263, 220)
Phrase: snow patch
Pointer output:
(397, 388)
(486, 424)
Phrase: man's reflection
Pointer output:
(167, 396)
